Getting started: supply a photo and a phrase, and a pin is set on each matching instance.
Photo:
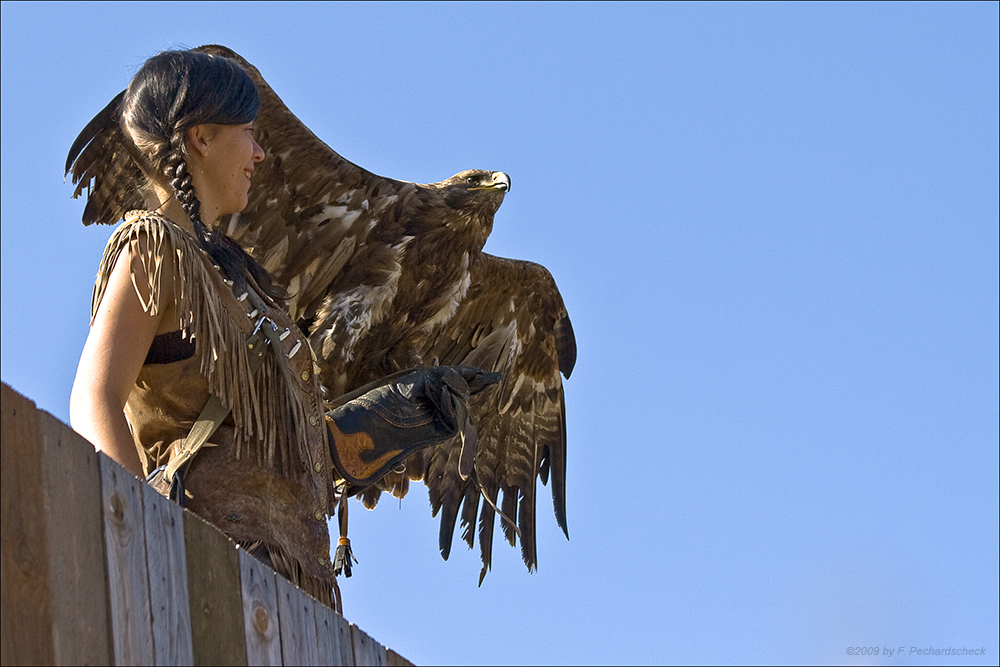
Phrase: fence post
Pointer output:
(168, 579)
(213, 568)
(77, 573)
(26, 635)
(367, 651)
(260, 611)
(128, 576)
(333, 635)
(298, 625)
(98, 568)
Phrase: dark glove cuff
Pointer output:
(376, 431)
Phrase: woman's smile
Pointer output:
(225, 166)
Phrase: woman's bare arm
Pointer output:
(115, 350)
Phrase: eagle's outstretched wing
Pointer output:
(309, 209)
(305, 226)
(100, 162)
(512, 320)
(316, 221)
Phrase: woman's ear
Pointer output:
(199, 138)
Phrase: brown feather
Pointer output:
(337, 225)
(387, 274)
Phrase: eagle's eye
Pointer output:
(472, 179)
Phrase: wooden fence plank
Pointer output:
(168, 580)
(346, 643)
(394, 659)
(298, 624)
(128, 578)
(99, 569)
(72, 488)
(213, 568)
(260, 611)
(26, 618)
(332, 632)
(367, 651)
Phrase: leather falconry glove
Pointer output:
(377, 427)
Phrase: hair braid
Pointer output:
(176, 173)
(231, 256)
(181, 182)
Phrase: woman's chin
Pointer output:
(237, 206)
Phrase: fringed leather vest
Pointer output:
(265, 477)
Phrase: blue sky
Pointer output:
(775, 227)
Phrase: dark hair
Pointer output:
(173, 92)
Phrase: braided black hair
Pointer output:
(173, 92)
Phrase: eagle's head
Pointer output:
(463, 205)
(475, 191)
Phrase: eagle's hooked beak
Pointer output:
(499, 180)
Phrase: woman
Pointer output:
(188, 342)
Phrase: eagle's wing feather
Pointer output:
(512, 320)
(310, 212)
(309, 208)
(100, 163)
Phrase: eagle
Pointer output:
(385, 275)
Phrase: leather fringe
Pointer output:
(263, 405)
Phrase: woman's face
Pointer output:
(223, 159)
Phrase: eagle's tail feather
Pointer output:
(470, 508)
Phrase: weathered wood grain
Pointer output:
(25, 597)
(168, 580)
(298, 624)
(345, 641)
(213, 569)
(261, 623)
(72, 490)
(367, 651)
(125, 554)
(99, 569)
(332, 632)
(394, 659)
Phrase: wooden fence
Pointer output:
(97, 568)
